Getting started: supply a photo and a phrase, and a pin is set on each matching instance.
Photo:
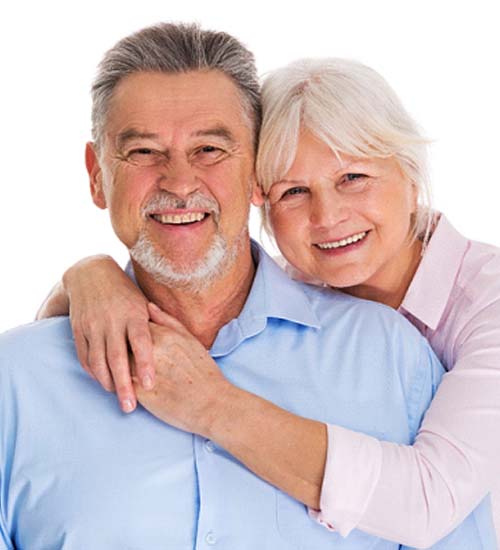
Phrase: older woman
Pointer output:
(343, 168)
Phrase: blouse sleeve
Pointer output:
(417, 494)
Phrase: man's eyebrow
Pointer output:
(127, 135)
(217, 131)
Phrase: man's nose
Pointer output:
(178, 177)
(328, 208)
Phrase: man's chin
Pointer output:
(190, 273)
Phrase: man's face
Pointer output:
(176, 169)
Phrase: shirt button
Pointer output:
(211, 538)
(209, 446)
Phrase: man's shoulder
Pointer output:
(36, 341)
(333, 307)
(374, 329)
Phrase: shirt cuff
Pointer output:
(352, 471)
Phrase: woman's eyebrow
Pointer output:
(286, 180)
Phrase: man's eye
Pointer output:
(210, 154)
(144, 156)
(140, 152)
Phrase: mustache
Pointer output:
(167, 200)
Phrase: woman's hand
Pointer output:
(109, 317)
(192, 394)
(189, 388)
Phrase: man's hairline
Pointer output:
(246, 106)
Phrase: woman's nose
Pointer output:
(328, 208)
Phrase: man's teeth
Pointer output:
(179, 218)
(343, 242)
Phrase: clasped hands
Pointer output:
(189, 387)
(132, 347)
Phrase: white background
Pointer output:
(442, 57)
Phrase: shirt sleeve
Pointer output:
(417, 494)
(5, 542)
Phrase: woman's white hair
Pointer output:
(349, 107)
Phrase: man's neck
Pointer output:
(203, 312)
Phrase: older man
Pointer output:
(175, 115)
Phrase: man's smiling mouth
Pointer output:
(180, 219)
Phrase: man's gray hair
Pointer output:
(176, 48)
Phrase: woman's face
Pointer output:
(344, 221)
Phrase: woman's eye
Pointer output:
(353, 177)
(294, 191)
(352, 182)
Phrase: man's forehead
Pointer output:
(190, 88)
(203, 102)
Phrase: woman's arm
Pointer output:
(411, 494)
(56, 303)
(109, 316)
(107, 311)
(192, 394)
(421, 492)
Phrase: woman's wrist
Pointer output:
(220, 422)
(72, 276)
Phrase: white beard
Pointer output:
(217, 260)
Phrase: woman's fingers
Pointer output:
(139, 337)
(82, 350)
(163, 319)
(118, 364)
(103, 353)
(97, 361)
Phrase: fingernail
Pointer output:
(127, 405)
(154, 306)
(147, 382)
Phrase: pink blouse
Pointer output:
(417, 494)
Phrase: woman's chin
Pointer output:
(344, 278)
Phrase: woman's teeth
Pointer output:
(342, 242)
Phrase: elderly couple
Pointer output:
(278, 411)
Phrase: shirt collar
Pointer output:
(272, 295)
(430, 289)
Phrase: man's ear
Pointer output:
(95, 175)
(258, 196)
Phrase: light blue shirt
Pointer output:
(77, 474)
